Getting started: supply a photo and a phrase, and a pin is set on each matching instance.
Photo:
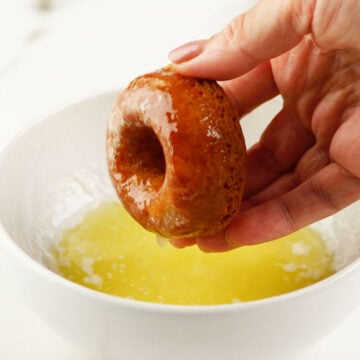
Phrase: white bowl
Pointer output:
(56, 168)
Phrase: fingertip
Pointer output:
(214, 243)
(182, 243)
(232, 239)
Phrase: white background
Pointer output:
(78, 48)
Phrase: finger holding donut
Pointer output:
(305, 165)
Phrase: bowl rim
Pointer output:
(17, 253)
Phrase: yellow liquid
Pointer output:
(110, 252)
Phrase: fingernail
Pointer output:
(230, 240)
(187, 51)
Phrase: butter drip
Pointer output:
(109, 252)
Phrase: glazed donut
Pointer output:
(176, 154)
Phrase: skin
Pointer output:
(306, 165)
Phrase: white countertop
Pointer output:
(82, 47)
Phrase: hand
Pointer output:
(306, 165)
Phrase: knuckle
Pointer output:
(285, 213)
(301, 15)
(233, 32)
(235, 39)
(335, 24)
(325, 197)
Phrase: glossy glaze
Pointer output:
(176, 154)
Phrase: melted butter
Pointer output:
(110, 252)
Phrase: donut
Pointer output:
(176, 154)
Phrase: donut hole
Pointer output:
(144, 155)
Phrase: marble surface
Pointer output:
(52, 52)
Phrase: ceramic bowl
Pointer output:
(52, 171)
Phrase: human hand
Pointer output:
(306, 165)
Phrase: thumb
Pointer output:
(267, 30)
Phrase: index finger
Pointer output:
(265, 31)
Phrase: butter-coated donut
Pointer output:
(176, 154)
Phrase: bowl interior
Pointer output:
(55, 171)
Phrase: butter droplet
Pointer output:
(162, 240)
